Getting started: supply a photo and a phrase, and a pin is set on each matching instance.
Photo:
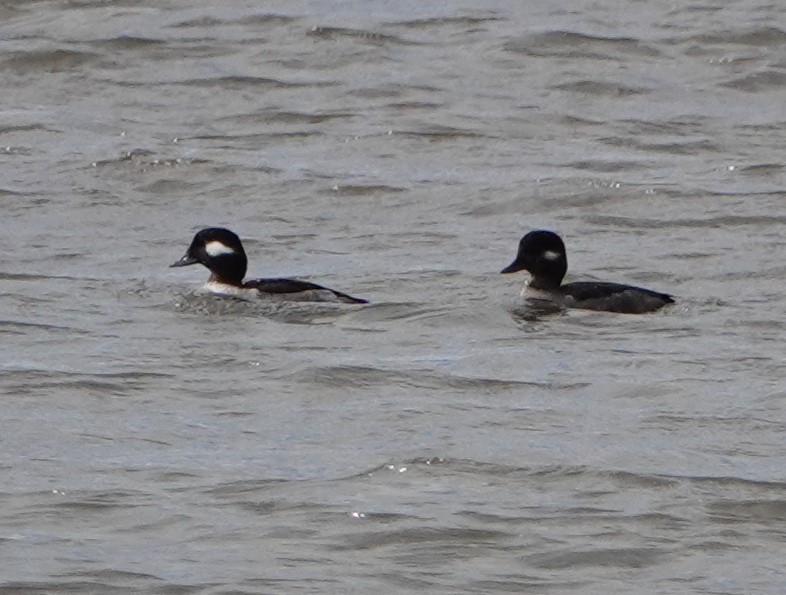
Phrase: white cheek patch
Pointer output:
(551, 255)
(216, 248)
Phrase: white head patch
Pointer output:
(551, 255)
(216, 248)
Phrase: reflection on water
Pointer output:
(533, 309)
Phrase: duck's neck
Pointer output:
(225, 280)
(544, 283)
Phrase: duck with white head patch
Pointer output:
(542, 254)
(221, 251)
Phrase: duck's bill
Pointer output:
(513, 267)
(184, 262)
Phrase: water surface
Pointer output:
(159, 441)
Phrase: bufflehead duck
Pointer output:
(542, 253)
(221, 251)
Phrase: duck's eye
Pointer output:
(551, 255)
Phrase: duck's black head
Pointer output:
(220, 251)
(542, 253)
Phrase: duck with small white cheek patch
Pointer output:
(221, 251)
(542, 254)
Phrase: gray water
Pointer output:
(441, 439)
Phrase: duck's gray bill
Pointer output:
(513, 267)
(184, 262)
